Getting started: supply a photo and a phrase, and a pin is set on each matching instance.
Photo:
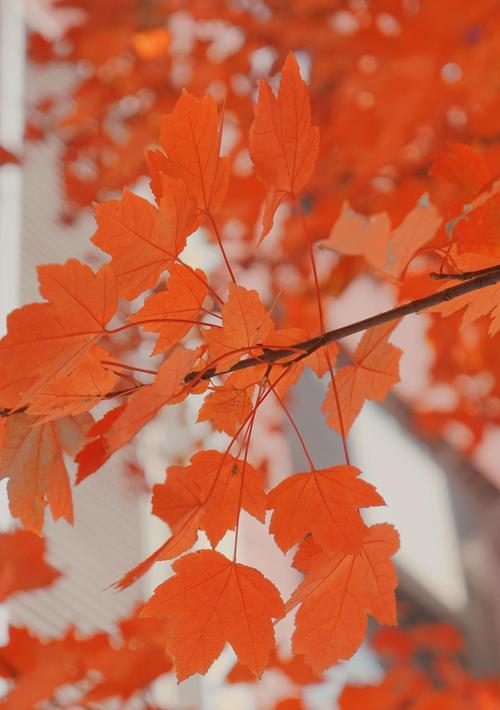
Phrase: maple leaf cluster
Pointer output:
(66, 346)
(392, 86)
(79, 395)
(423, 663)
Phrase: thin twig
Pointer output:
(476, 281)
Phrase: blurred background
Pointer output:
(441, 493)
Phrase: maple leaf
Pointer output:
(325, 503)
(245, 326)
(386, 249)
(191, 137)
(31, 456)
(77, 392)
(171, 313)
(158, 169)
(375, 371)
(481, 303)
(477, 231)
(338, 592)
(206, 495)
(213, 601)
(227, 406)
(144, 241)
(283, 145)
(212, 480)
(125, 422)
(22, 565)
(463, 167)
(50, 339)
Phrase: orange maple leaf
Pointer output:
(212, 480)
(482, 303)
(50, 339)
(191, 136)
(142, 240)
(464, 167)
(283, 145)
(338, 592)
(213, 601)
(386, 249)
(77, 392)
(31, 457)
(206, 495)
(172, 313)
(476, 231)
(245, 326)
(227, 406)
(325, 503)
(375, 371)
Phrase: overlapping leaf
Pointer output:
(325, 503)
(77, 392)
(228, 406)
(375, 371)
(338, 593)
(50, 339)
(386, 249)
(206, 495)
(214, 481)
(245, 325)
(31, 457)
(142, 240)
(171, 313)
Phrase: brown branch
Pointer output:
(472, 281)
(475, 281)
(463, 275)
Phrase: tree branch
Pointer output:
(474, 281)
(471, 281)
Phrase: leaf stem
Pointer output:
(305, 229)
(243, 470)
(295, 427)
(221, 246)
